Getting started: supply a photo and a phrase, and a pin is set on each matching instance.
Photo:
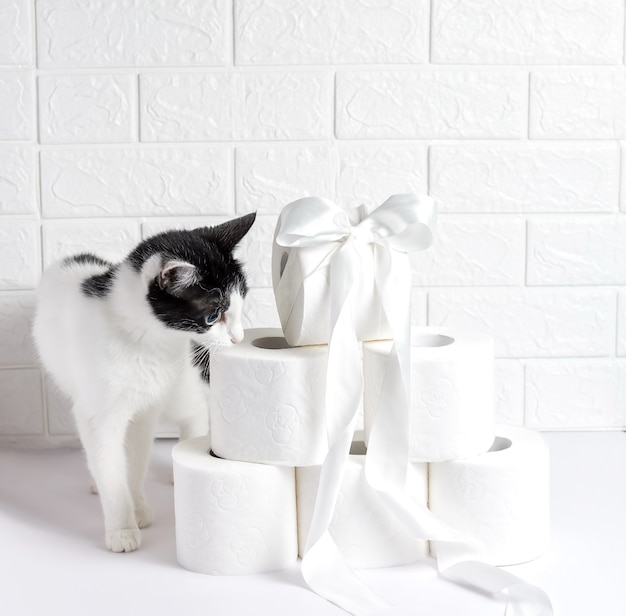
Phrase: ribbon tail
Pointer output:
(388, 445)
(387, 466)
(522, 598)
(323, 567)
(327, 573)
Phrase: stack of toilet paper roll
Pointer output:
(244, 498)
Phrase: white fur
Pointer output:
(121, 367)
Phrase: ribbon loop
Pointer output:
(403, 222)
(356, 264)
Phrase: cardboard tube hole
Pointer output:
(431, 340)
(500, 444)
(271, 342)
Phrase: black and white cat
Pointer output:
(130, 341)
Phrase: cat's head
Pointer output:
(194, 283)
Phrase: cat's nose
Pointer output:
(236, 334)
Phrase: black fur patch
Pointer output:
(86, 258)
(201, 359)
(218, 273)
(99, 285)
(189, 308)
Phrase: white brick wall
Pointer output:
(122, 118)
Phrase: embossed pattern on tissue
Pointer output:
(230, 402)
(247, 545)
(226, 493)
(279, 422)
(266, 373)
(196, 530)
(469, 486)
(439, 397)
(315, 378)
(384, 523)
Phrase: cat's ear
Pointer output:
(230, 233)
(175, 276)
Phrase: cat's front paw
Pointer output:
(144, 515)
(123, 540)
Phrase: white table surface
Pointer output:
(52, 557)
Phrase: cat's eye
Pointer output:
(212, 318)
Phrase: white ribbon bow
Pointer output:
(402, 224)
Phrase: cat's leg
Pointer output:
(188, 404)
(103, 438)
(138, 446)
(194, 425)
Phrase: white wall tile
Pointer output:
(82, 33)
(532, 322)
(235, 106)
(527, 31)
(19, 255)
(21, 402)
(58, 407)
(152, 227)
(370, 173)
(129, 182)
(85, 108)
(577, 251)
(578, 104)
(268, 178)
(525, 178)
(318, 31)
(623, 181)
(621, 323)
(17, 121)
(109, 240)
(475, 252)
(124, 118)
(259, 309)
(16, 342)
(255, 251)
(575, 394)
(419, 307)
(430, 104)
(509, 394)
(16, 45)
(17, 180)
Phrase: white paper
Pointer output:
(452, 391)
(302, 293)
(232, 518)
(364, 530)
(312, 232)
(499, 498)
(268, 404)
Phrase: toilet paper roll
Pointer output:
(301, 288)
(499, 498)
(315, 237)
(452, 391)
(268, 401)
(364, 530)
(232, 518)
